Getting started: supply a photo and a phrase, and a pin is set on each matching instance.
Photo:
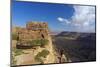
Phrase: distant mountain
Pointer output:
(87, 36)
(67, 33)
(54, 33)
(78, 35)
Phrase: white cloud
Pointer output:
(83, 18)
(63, 20)
(60, 19)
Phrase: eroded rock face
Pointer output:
(32, 31)
(36, 26)
(28, 55)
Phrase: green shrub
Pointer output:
(44, 42)
(43, 54)
(18, 52)
(39, 42)
(36, 42)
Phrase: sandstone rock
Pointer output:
(32, 31)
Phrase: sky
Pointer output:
(60, 17)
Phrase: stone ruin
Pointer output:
(32, 31)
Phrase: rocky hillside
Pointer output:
(33, 45)
(81, 47)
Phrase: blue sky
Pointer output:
(59, 17)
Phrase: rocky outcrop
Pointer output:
(39, 32)
(32, 31)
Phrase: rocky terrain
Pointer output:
(80, 47)
(33, 45)
(36, 44)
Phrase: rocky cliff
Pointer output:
(33, 45)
